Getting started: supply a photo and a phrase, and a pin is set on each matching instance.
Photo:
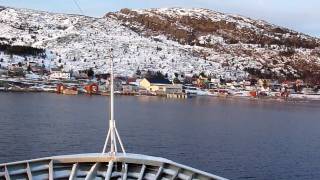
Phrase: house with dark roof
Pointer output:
(159, 86)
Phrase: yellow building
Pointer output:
(160, 86)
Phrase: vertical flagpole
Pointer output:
(111, 121)
(112, 133)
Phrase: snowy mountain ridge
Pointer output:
(170, 40)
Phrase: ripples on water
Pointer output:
(234, 138)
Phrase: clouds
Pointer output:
(300, 15)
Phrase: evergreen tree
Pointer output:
(149, 74)
(159, 75)
(90, 73)
(176, 81)
(138, 72)
(29, 68)
(202, 74)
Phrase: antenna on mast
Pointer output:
(113, 135)
(78, 6)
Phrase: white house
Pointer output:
(58, 74)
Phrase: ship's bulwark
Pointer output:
(99, 166)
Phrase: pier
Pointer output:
(177, 96)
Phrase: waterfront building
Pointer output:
(130, 88)
(173, 89)
(16, 71)
(92, 88)
(56, 73)
(160, 86)
(154, 85)
(80, 75)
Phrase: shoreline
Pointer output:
(264, 98)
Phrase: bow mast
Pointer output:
(113, 135)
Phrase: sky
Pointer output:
(299, 15)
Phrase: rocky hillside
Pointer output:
(232, 40)
(195, 26)
(175, 40)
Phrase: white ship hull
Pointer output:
(102, 166)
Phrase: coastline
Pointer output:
(295, 98)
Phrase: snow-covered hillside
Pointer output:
(80, 42)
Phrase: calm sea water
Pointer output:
(237, 139)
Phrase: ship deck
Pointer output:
(102, 166)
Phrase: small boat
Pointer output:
(108, 165)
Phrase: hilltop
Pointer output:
(170, 40)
